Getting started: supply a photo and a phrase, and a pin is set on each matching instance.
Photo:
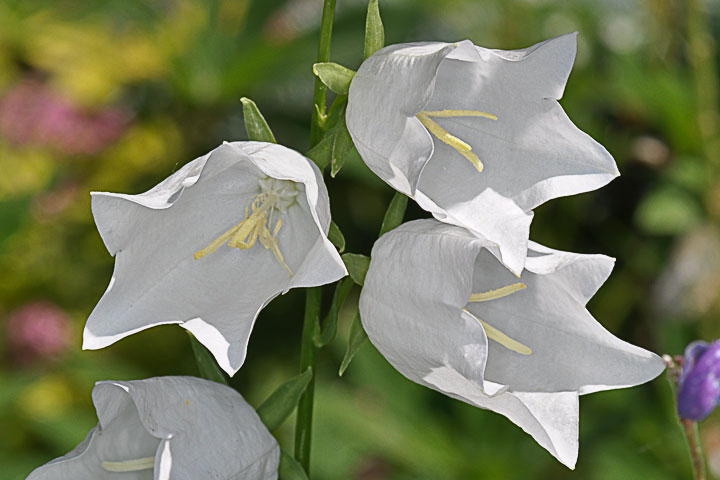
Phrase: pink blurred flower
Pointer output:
(38, 330)
(30, 113)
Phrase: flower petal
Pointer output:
(194, 428)
(154, 236)
(571, 351)
(397, 147)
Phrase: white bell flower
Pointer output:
(448, 315)
(169, 428)
(476, 136)
(212, 244)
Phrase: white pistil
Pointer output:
(446, 137)
(129, 465)
(276, 196)
(498, 293)
(495, 334)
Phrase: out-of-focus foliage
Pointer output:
(115, 95)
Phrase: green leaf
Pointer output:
(280, 404)
(321, 153)
(207, 366)
(336, 112)
(355, 341)
(341, 149)
(334, 76)
(357, 266)
(257, 128)
(329, 329)
(289, 468)
(374, 31)
(336, 236)
(336, 147)
(394, 214)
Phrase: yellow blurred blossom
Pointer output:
(46, 399)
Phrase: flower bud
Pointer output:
(698, 386)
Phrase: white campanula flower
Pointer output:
(169, 428)
(212, 244)
(476, 136)
(448, 315)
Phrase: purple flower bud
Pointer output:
(699, 383)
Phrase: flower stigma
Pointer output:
(446, 137)
(275, 196)
(129, 465)
(492, 332)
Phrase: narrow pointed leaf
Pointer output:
(334, 76)
(394, 214)
(355, 341)
(207, 366)
(322, 152)
(255, 124)
(341, 149)
(329, 328)
(336, 112)
(289, 468)
(280, 404)
(336, 237)
(357, 266)
(374, 31)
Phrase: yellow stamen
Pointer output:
(507, 342)
(129, 465)
(458, 113)
(255, 226)
(444, 136)
(498, 293)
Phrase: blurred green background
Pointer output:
(114, 95)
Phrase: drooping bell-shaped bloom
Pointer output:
(699, 382)
(448, 315)
(212, 244)
(476, 136)
(169, 428)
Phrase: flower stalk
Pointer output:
(690, 428)
(313, 299)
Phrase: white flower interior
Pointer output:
(446, 137)
(263, 220)
(492, 332)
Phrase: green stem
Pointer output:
(320, 98)
(313, 300)
(690, 428)
(303, 426)
(696, 453)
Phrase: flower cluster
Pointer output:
(463, 303)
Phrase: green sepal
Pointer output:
(357, 266)
(336, 236)
(328, 332)
(255, 125)
(280, 404)
(289, 468)
(334, 76)
(394, 214)
(374, 31)
(207, 366)
(356, 339)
